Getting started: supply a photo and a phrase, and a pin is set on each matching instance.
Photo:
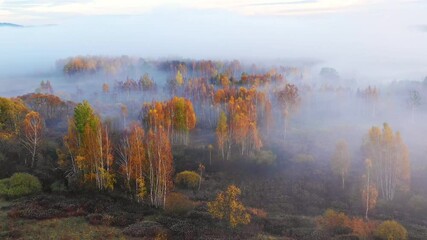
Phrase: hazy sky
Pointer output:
(386, 39)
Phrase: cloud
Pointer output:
(285, 7)
(281, 3)
(51, 9)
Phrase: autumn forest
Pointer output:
(133, 148)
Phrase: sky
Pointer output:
(383, 39)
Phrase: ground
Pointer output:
(59, 228)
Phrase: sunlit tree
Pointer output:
(390, 160)
(228, 207)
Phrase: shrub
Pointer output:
(335, 222)
(188, 179)
(361, 228)
(20, 184)
(178, 204)
(391, 230)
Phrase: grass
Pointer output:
(64, 228)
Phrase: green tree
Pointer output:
(84, 115)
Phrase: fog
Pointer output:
(375, 43)
(371, 45)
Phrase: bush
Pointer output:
(361, 228)
(391, 230)
(178, 204)
(188, 179)
(336, 223)
(20, 184)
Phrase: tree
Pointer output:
(160, 166)
(45, 88)
(179, 78)
(288, 99)
(176, 116)
(228, 207)
(390, 160)
(391, 230)
(33, 127)
(133, 160)
(222, 134)
(413, 101)
(370, 95)
(369, 196)
(146, 83)
(90, 148)
(370, 193)
(341, 161)
(84, 116)
(50, 107)
(12, 114)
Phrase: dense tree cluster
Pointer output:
(94, 64)
(12, 114)
(176, 117)
(145, 83)
(390, 160)
(266, 130)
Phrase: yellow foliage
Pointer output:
(391, 230)
(188, 179)
(141, 189)
(227, 207)
(179, 78)
(332, 220)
